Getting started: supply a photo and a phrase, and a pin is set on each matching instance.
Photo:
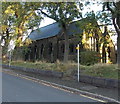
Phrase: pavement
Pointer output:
(16, 85)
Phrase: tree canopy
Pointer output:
(63, 13)
(17, 19)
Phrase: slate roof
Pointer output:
(53, 30)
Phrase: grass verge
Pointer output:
(98, 70)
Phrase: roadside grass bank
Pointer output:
(70, 69)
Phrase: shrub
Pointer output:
(89, 57)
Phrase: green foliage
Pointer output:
(62, 12)
(89, 57)
(89, 24)
(111, 10)
(17, 19)
(104, 17)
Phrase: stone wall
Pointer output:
(36, 71)
(96, 81)
(100, 82)
(51, 49)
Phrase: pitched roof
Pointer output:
(53, 30)
(45, 32)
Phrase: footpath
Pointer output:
(110, 93)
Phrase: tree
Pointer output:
(17, 19)
(91, 28)
(114, 8)
(63, 13)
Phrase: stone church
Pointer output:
(48, 43)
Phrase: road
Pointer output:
(16, 89)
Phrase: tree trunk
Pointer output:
(97, 45)
(118, 39)
(118, 50)
(116, 23)
(57, 48)
(94, 44)
(66, 52)
(91, 44)
(117, 26)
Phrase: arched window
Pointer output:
(35, 52)
(35, 48)
(42, 47)
(71, 48)
(62, 48)
(50, 48)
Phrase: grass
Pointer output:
(102, 70)
(98, 70)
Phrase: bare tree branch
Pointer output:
(115, 4)
(48, 15)
(110, 9)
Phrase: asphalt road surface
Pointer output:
(16, 89)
